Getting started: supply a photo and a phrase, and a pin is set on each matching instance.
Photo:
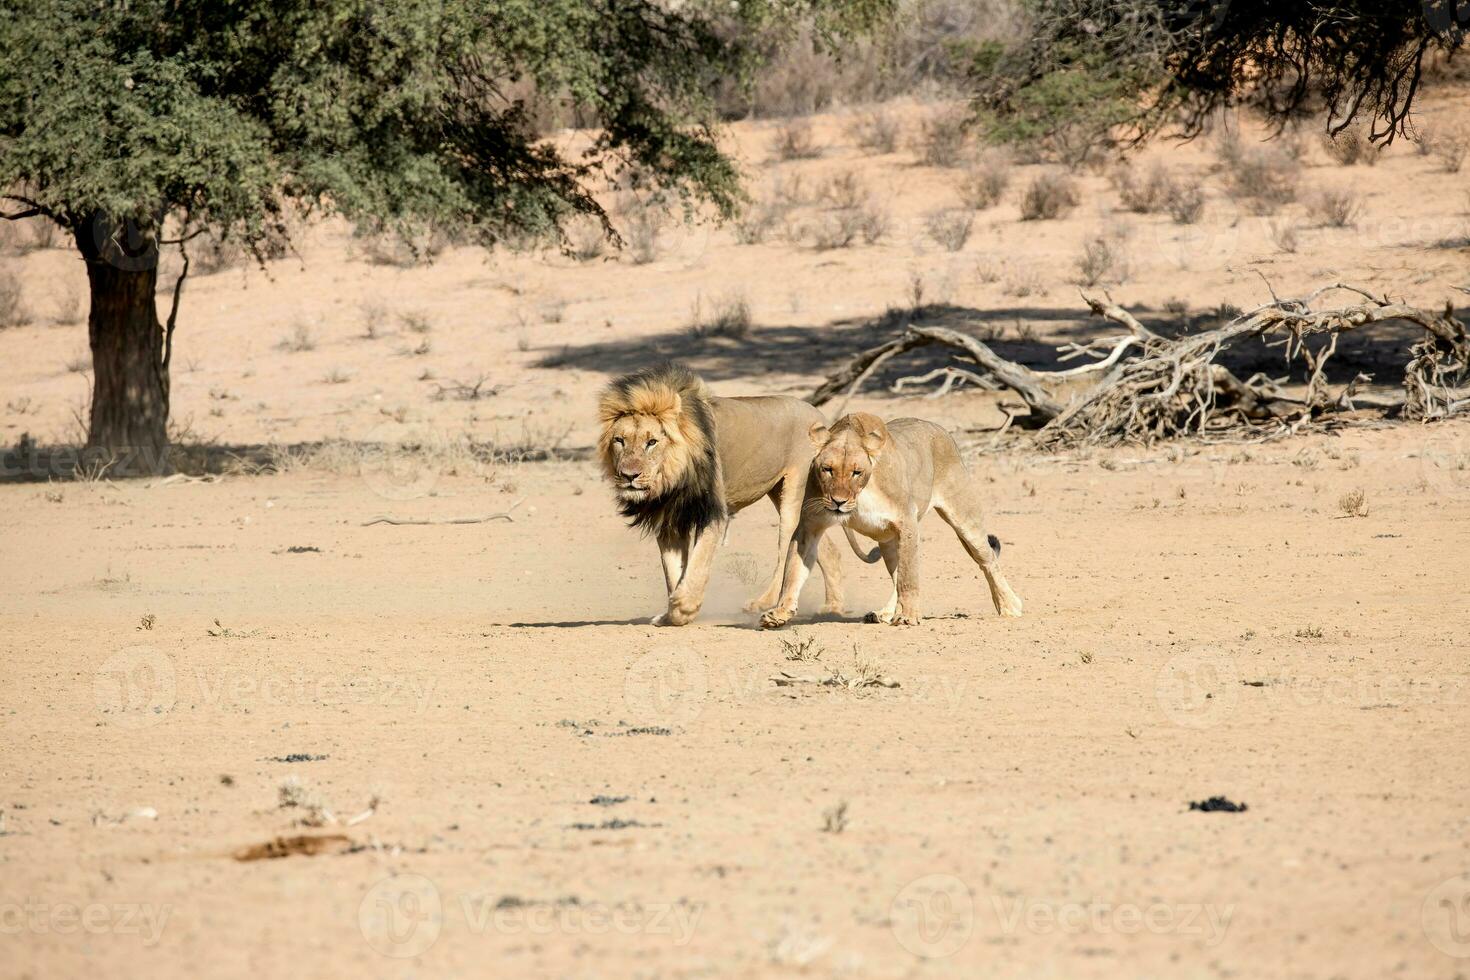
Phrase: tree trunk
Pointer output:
(129, 423)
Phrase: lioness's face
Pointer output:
(635, 457)
(844, 464)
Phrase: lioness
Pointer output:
(682, 461)
(879, 480)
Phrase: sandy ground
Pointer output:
(504, 769)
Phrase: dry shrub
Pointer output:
(585, 239)
(1264, 180)
(942, 138)
(1287, 235)
(1049, 196)
(209, 254)
(1449, 146)
(950, 227)
(643, 228)
(1146, 195)
(1185, 203)
(876, 130)
(13, 311)
(838, 228)
(874, 224)
(983, 182)
(756, 222)
(1351, 147)
(1334, 208)
(790, 190)
(795, 140)
(1104, 259)
(844, 190)
(729, 316)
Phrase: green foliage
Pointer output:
(400, 116)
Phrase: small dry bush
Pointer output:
(844, 190)
(1263, 180)
(728, 316)
(950, 227)
(877, 130)
(1287, 235)
(1354, 503)
(585, 239)
(1185, 202)
(795, 140)
(13, 311)
(1449, 147)
(874, 224)
(643, 228)
(1104, 259)
(1146, 194)
(983, 182)
(942, 138)
(298, 341)
(209, 254)
(1351, 147)
(1049, 196)
(838, 228)
(757, 222)
(1334, 208)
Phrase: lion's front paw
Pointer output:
(904, 619)
(878, 616)
(833, 609)
(759, 604)
(774, 619)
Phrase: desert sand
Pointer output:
(499, 767)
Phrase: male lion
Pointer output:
(879, 480)
(682, 462)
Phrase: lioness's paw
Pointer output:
(878, 616)
(759, 604)
(904, 619)
(833, 609)
(774, 619)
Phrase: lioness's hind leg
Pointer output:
(960, 509)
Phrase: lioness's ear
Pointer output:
(875, 436)
(818, 434)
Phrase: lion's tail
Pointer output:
(857, 549)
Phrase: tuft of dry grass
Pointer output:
(298, 341)
(1449, 146)
(983, 182)
(795, 140)
(1049, 196)
(13, 311)
(1334, 208)
(1104, 259)
(757, 222)
(942, 138)
(1147, 194)
(876, 130)
(1185, 203)
(1354, 503)
(1287, 235)
(728, 316)
(643, 231)
(950, 227)
(1263, 180)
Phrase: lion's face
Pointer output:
(846, 456)
(637, 459)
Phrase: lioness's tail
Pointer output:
(857, 549)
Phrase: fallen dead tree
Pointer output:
(1144, 387)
